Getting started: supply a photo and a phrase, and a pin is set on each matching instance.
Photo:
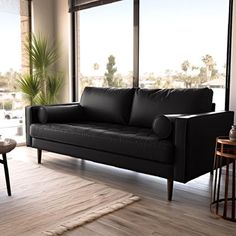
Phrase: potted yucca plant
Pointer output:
(42, 85)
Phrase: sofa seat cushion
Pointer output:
(132, 141)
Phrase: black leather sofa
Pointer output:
(169, 133)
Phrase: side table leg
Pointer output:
(226, 189)
(218, 187)
(233, 191)
(4, 156)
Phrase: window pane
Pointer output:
(13, 28)
(183, 44)
(105, 45)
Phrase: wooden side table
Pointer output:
(6, 147)
(223, 191)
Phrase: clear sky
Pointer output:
(10, 42)
(171, 31)
(174, 31)
(107, 30)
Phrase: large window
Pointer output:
(170, 44)
(184, 44)
(105, 45)
(13, 29)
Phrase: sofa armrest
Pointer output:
(195, 137)
(32, 116)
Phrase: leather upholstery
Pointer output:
(123, 161)
(149, 103)
(31, 116)
(107, 105)
(60, 114)
(131, 141)
(186, 154)
(195, 137)
(162, 127)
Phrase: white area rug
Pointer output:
(47, 202)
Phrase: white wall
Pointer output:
(233, 67)
(51, 19)
(43, 20)
(62, 33)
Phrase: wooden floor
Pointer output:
(188, 214)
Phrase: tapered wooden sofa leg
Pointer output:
(39, 156)
(170, 183)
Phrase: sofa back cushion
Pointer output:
(149, 103)
(107, 104)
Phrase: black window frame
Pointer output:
(77, 5)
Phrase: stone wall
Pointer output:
(24, 18)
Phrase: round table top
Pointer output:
(226, 140)
(226, 147)
(7, 145)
